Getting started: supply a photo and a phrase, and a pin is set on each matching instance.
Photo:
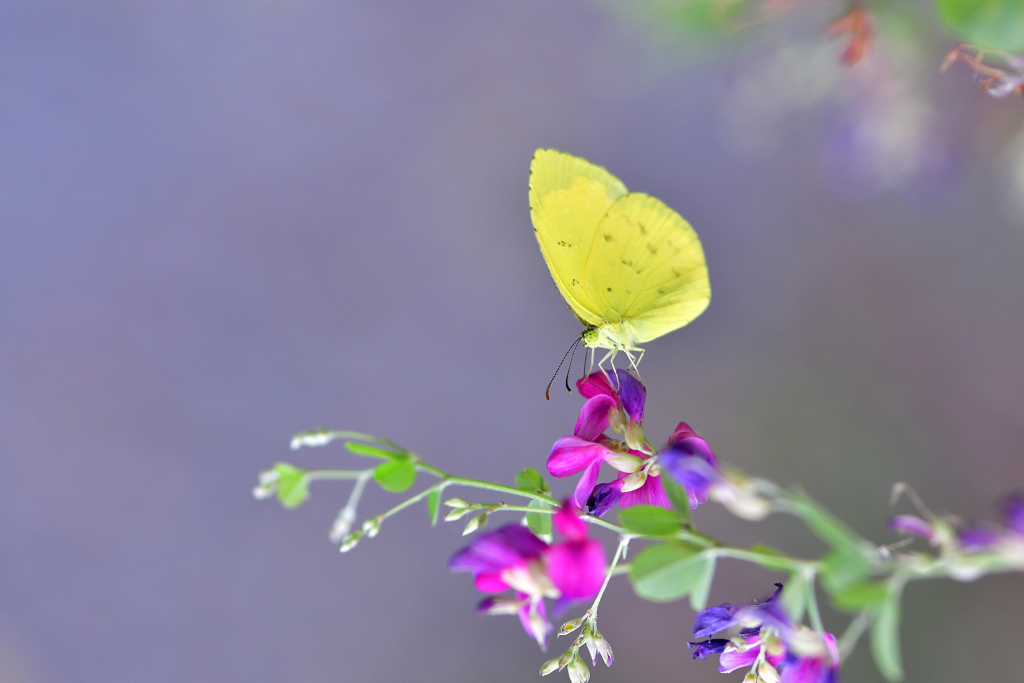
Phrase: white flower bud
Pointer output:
(578, 671)
(549, 666)
(456, 503)
(371, 527)
(634, 481)
(570, 626)
(624, 462)
(350, 541)
(604, 649)
(457, 513)
(767, 673)
(475, 523)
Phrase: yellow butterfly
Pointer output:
(630, 268)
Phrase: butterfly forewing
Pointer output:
(568, 199)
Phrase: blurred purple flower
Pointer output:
(690, 461)
(912, 525)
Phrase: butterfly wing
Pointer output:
(646, 267)
(569, 197)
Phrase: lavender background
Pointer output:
(223, 222)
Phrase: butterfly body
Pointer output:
(630, 268)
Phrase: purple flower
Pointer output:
(690, 461)
(1013, 512)
(512, 557)
(911, 525)
(768, 640)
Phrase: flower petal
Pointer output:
(714, 619)
(497, 550)
(586, 484)
(708, 647)
(535, 622)
(577, 568)
(1013, 512)
(651, 493)
(603, 497)
(912, 526)
(731, 659)
(594, 416)
(632, 395)
(568, 523)
(571, 455)
(595, 384)
(490, 582)
(694, 473)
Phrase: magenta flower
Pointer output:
(690, 461)
(512, 557)
(768, 642)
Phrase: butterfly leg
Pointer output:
(609, 357)
(634, 361)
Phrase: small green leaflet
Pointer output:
(651, 520)
(373, 451)
(539, 522)
(434, 505)
(861, 597)
(670, 571)
(396, 475)
(678, 497)
(795, 596)
(885, 638)
(530, 480)
(292, 487)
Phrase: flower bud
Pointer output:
(624, 462)
(456, 503)
(578, 671)
(457, 513)
(634, 481)
(566, 657)
(570, 626)
(350, 541)
(767, 673)
(371, 527)
(549, 666)
(475, 523)
(604, 649)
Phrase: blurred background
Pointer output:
(224, 222)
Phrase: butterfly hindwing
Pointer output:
(647, 267)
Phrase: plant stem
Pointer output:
(854, 631)
(619, 551)
(315, 475)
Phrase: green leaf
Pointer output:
(670, 571)
(397, 475)
(701, 589)
(796, 596)
(373, 451)
(827, 526)
(434, 505)
(843, 568)
(885, 638)
(292, 485)
(995, 24)
(650, 520)
(538, 522)
(861, 597)
(677, 496)
(530, 480)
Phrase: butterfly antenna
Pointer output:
(569, 369)
(547, 392)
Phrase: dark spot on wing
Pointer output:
(563, 243)
(608, 237)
